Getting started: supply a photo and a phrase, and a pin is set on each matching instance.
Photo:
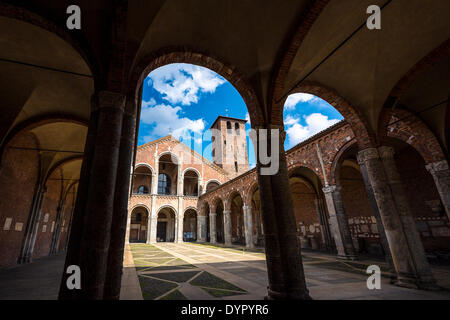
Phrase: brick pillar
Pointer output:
(293, 285)
(212, 227)
(92, 234)
(339, 223)
(423, 269)
(248, 226)
(227, 226)
(441, 175)
(201, 228)
(121, 196)
(406, 266)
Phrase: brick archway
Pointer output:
(405, 126)
(338, 159)
(188, 55)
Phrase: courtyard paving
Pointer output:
(206, 272)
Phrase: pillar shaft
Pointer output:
(153, 222)
(227, 226)
(290, 253)
(376, 213)
(120, 213)
(248, 226)
(212, 227)
(401, 250)
(92, 234)
(339, 223)
(441, 175)
(201, 228)
(421, 265)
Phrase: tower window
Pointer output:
(228, 127)
(236, 127)
(235, 166)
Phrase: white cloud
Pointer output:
(168, 119)
(293, 99)
(183, 83)
(315, 123)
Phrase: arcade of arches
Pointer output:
(377, 183)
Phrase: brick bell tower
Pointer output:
(229, 145)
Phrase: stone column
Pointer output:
(212, 227)
(380, 227)
(227, 226)
(328, 242)
(339, 223)
(201, 228)
(98, 206)
(423, 269)
(57, 230)
(290, 251)
(127, 235)
(153, 222)
(405, 266)
(26, 254)
(248, 226)
(441, 175)
(154, 183)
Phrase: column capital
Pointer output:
(437, 166)
(226, 211)
(212, 214)
(367, 154)
(386, 152)
(329, 189)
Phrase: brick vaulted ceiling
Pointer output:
(256, 37)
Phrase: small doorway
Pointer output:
(161, 232)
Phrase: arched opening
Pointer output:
(190, 183)
(237, 220)
(361, 220)
(229, 127)
(425, 203)
(165, 227)
(138, 225)
(212, 185)
(190, 225)
(220, 234)
(142, 180)
(236, 128)
(168, 175)
(310, 213)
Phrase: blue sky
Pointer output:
(184, 100)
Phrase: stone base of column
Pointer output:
(200, 241)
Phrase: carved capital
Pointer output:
(386, 152)
(437, 166)
(367, 154)
(329, 189)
